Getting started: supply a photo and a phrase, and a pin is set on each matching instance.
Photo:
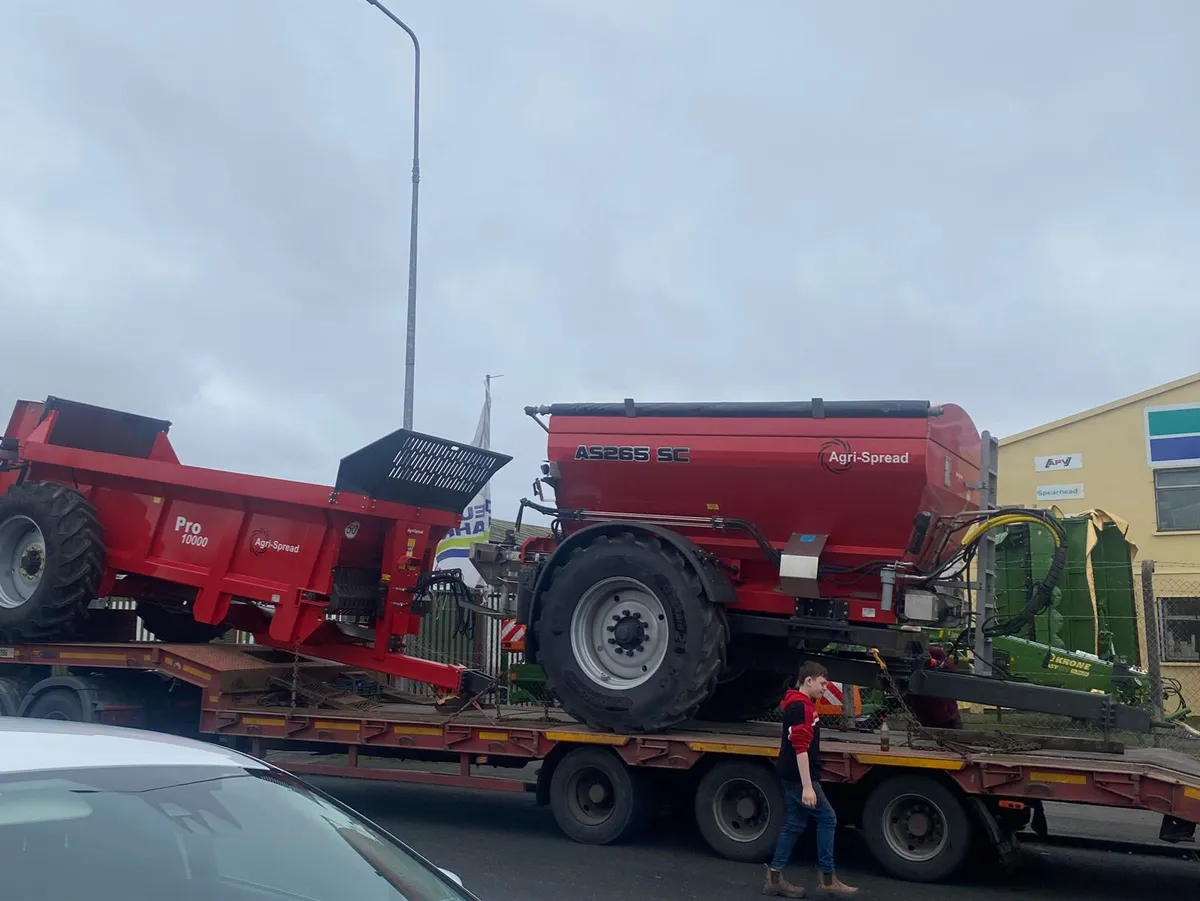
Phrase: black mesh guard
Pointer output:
(420, 470)
(86, 427)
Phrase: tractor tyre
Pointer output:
(627, 636)
(51, 561)
(745, 694)
(174, 624)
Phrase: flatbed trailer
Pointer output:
(921, 809)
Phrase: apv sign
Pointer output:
(1058, 462)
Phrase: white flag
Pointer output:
(454, 550)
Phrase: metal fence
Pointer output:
(142, 634)
(450, 634)
(1094, 627)
(1107, 620)
(1171, 601)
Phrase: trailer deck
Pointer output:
(263, 700)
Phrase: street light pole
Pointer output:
(410, 344)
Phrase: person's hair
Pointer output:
(810, 669)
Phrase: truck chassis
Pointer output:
(920, 808)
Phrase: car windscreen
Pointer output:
(196, 834)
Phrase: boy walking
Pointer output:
(799, 769)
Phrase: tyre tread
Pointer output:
(703, 678)
(73, 573)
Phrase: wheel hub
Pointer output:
(918, 825)
(629, 632)
(740, 810)
(591, 796)
(619, 634)
(915, 828)
(22, 560)
(30, 566)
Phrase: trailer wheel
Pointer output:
(740, 810)
(744, 694)
(917, 828)
(57, 704)
(10, 697)
(51, 561)
(627, 637)
(596, 799)
(175, 624)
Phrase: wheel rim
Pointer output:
(591, 796)
(915, 828)
(22, 560)
(619, 633)
(741, 810)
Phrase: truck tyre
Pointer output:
(917, 828)
(743, 695)
(627, 637)
(10, 697)
(173, 623)
(57, 704)
(51, 561)
(740, 810)
(596, 799)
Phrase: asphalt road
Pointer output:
(507, 849)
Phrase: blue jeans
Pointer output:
(797, 819)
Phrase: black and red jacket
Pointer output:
(801, 732)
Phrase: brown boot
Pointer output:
(776, 885)
(829, 884)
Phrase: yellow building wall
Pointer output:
(1115, 476)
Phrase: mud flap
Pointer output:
(1175, 830)
(1008, 849)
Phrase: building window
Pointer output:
(1180, 618)
(1177, 499)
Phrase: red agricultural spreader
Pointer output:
(94, 503)
(700, 551)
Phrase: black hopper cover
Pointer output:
(408, 467)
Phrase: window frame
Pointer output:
(1159, 489)
(1164, 621)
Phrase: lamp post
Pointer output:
(410, 344)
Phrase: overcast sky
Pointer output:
(204, 210)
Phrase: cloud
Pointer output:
(205, 210)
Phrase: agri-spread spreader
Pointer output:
(94, 503)
(701, 550)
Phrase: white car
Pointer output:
(101, 813)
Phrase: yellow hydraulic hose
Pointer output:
(976, 531)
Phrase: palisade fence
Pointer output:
(450, 634)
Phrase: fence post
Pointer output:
(1153, 639)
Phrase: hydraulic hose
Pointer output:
(1042, 595)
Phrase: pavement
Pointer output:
(506, 848)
